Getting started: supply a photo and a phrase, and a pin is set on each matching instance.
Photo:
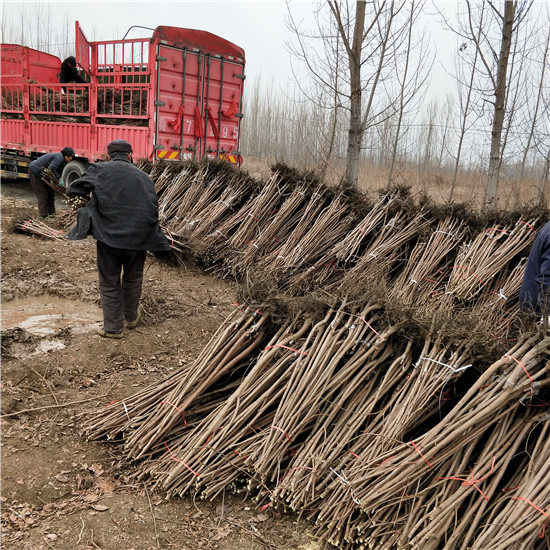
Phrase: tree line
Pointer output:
(370, 67)
(362, 100)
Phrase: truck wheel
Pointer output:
(72, 172)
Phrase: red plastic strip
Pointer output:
(177, 408)
(180, 461)
(283, 432)
(287, 347)
(524, 369)
(418, 451)
(533, 505)
(528, 225)
(246, 307)
(368, 324)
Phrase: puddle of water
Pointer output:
(44, 316)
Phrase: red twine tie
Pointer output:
(287, 347)
(524, 370)
(180, 461)
(283, 432)
(418, 451)
(543, 529)
(246, 307)
(528, 225)
(472, 482)
(177, 408)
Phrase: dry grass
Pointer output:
(435, 182)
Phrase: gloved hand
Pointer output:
(61, 183)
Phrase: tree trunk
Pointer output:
(534, 118)
(401, 99)
(355, 134)
(491, 187)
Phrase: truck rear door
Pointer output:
(198, 104)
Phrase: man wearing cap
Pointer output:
(44, 193)
(122, 215)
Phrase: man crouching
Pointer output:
(122, 215)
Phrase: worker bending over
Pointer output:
(44, 193)
(122, 215)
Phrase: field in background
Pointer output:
(436, 183)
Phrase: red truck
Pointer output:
(176, 95)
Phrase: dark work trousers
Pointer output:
(119, 295)
(44, 193)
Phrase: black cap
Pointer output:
(119, 145)
(67, 152)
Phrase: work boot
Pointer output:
(109, 334)
(133, 324)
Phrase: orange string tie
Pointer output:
(368, 325)
(472, 482)
(524, 370)
(283, 432)
(246, 307)
(473, 274)
(180, 461)
(113, 402)
(177, 408)
(240, 454)
(418, 451)
(528, 225)
(171, 238)
(543, 528)
(287, 347)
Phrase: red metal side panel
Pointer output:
(53, 136)
(82, 48)
(20, 61)
(226, 88)
(135, 135)
(171, 83)
(11, 56)
(12, 133)
(43, 67)
(200, 88)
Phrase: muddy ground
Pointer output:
(59, 490)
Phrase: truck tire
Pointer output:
(72, 172)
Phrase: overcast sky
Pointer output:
(258, 27)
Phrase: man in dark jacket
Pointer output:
(122, 215)
(536, 279)
(69, 73)
(44, 193)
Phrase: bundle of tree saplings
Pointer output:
(384, 488)
(37, 227)
(388, 412)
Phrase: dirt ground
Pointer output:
(59, 490)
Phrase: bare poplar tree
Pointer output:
(488, 33)
(499, 85)
(410, 78)
(367, 38)
(534, 114)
